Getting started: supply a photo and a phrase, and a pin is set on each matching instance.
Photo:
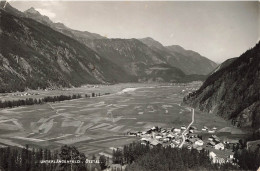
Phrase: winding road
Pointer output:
(187, 129)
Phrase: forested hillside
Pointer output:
(233, 91)
(33, 55)
(188, 61)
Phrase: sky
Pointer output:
(216, 30)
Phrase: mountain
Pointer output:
(8, 8)
(188, 61)
(233, 90)
(192, 61)
(151, 42)
(223, 65)
(139, 60)
(41, 53)
(132, 54)
(34, 55)
(135, 61)
(81, 36)
(32, 13)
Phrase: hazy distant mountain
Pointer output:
(139, 60)
(130, 53)
(233, 90)
(184, 60)
(40, 53)
(192, 61)
(136, 59)
(189, 61)
(34, 55)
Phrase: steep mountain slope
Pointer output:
(182, 60)
(34, 55)
(224, 65)
(81, 36)
(136, 67)
(8, 8)
(165, 73)
(233, 92)
(138, 60)
(189, 61)
(73, 57)
(130, 53)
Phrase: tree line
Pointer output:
(34, 159)
(31, 101)
(135, 155)
(248, 158)
(144, 158)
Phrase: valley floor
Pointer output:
(95, 125)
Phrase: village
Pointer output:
(220, 151)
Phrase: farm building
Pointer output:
(183, 127)
(177, 130)
(211, 131)
(199, 142)
(219, 146)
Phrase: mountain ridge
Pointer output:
(189, 61)
(28, 50)
(74, 59)
(233, 91)
(87, 38)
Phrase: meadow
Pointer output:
(96, 124)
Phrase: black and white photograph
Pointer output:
(121, 85)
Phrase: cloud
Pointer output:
(46, 12)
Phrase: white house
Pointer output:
(153, 128)
(219, 146)
(183, 127)
(213, 156)
(205, 127)
(177, 130)
(166, 140)
(211, 131)
(199, 142)
(172, 145)
(210, 139)
(170, 136)
(158, 137)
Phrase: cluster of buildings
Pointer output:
(173, 137)
(214, 142)
(206, 129)
(168, 137)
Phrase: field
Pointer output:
(96, 124)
